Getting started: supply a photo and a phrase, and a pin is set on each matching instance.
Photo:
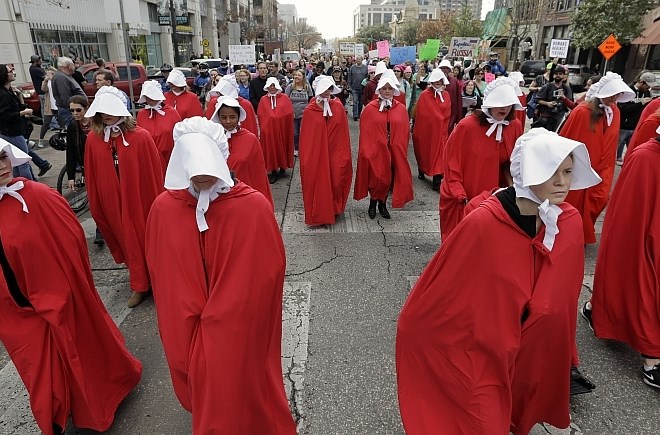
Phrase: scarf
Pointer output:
(114, 128)
(609, 114)
(385, 104)
(13, 192)
(204, 198)
(326, 106)
(157, 108)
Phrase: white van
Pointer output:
(292, 56)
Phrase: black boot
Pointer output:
(98, 239)
(382, 209)
(272, 177)
(421, 175)
(372, 209)
(436, 182)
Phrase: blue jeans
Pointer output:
(624, 139)
(296, 132)
(357, 102)
(23, 170)
(37, 160)
(64, 116)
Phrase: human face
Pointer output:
(387, 91)
(177, 88)
(272, 89)
(243, 77)
(109, 119)
(556, 187)
(5, 168)
(588, 85)
(203, 182)
(500, 113)
(609, 101)
(643, 86)
(151, 101)
(272, 68)
(319, 69)
(407, 74)
(263, 70)
(101, 81)
(469, 87)
(228, 118)
(438, 84)
(11, 74)
(77, 111)
(298, 77)
(213, 74)
(216, 80)
(422, 69)
(326, 93)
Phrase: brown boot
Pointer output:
(137, 298)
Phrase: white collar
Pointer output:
(438, 93)
(495, 125)
(157, 108)
(13, 192)
(109, 129)
(385, 103)
(229, 133)
(609, 113)
(204, 198)
(326, 106)
(548, 213)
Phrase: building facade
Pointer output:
(288, 13)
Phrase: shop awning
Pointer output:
(650, 36)
(496, 24)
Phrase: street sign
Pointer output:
(609, 47)
(205, 42)
(559, 48)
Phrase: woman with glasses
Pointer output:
(300, 93)
(243, 77)
(404, 86)
(479, 81)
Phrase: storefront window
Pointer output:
(79, 46)
(146, 50)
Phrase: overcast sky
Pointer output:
(334, 18)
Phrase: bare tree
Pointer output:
(301, 35)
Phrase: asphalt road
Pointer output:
(345, 286)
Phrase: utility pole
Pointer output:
(127, 50)
(174, 35)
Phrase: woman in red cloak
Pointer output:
(383, 151)
(519, 80)
(180, 98)
(488, 352)
(596, 124)
(646, 130)
(124, 175)
(326, 167)
(66, 348)
(227, 87)
(477, 152)
(219, 300)
(430, 131)
(626, 296)
(275, 114)
(158, 119)
(246, 159)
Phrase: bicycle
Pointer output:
(76, 197)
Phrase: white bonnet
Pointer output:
(231, 102)
(272, 81)
(501, 92)
(151, 89)
(322, 83)
(388, 79)
(108, 100)
(437, 75)
(16, 156)
(176, 78)
(612, 84)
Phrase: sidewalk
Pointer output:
(54, 157)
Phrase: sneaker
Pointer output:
(42, 171)
(41, 143)
(586, 313)
(32, 144)
(652, 377)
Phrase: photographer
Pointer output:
(552, 99)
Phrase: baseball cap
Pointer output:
(35, 58)
(648, 77)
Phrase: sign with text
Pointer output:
(347, 48)
(559, 48)
(373, 54)
(359, 49)
(383, 48)
(242, 54)
(401, 54)
(609, 47)
(463, 47)
(180, 11)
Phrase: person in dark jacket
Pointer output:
(631, 111)
(257, 85)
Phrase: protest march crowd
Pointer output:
(181, 195)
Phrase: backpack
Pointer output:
(532, 104)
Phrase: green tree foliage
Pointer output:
(594, 20)
(464, 23)
(407, 32)
(369, 34)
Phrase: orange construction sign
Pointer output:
(609, 47)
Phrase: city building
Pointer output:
(288, 13)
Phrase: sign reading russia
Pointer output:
(609, 47)
(462, 47)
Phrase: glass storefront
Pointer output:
(146, 50)
(82, 46)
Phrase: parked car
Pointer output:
(138, 76)
(212, 63)
(531, 69)
(578, 76)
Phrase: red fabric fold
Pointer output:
(276, 132)
(250, 122)
(160, 127)
(187, 104)
(430, 132)
(246, 159)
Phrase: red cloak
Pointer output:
(66, 348)
(650, 109)
(246, 159)
(326, 167)
(645, 131)
(221, 323)
(474, 162)
(626, 292)
(383, 164)
(160, 127)
(601, 142)
(430, 130)
(369, 91)
(120, 203)
(276, 126)
(456, 97)
(401, 98)
(250, 121)
(187, 104)
(521, 115)
(489, 352)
